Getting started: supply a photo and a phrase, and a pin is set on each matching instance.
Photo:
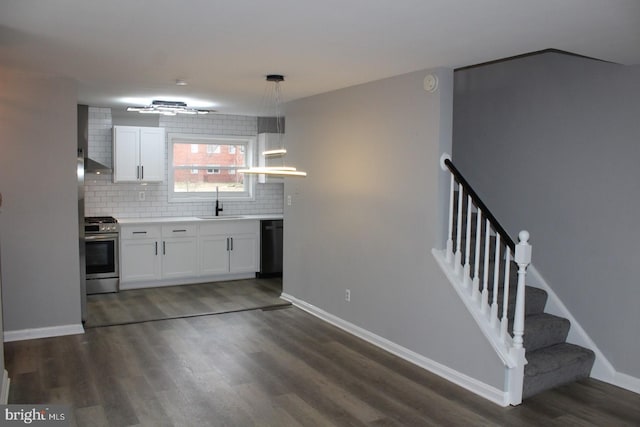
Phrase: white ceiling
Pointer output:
(136, 49)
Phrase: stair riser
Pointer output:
(554, 366)
(544, 330)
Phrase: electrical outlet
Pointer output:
(141, 196)
(289, 200)
(347, 295)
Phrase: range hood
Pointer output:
(90, 165)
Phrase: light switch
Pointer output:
(289, 200)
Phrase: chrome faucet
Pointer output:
(218, 204)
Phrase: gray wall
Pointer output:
(39, 221)
(552, 143)
(366, 218)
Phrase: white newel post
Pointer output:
(522, 258)
(450, 232)
(449, 250)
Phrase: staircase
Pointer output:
(550, 360)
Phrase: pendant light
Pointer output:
(276, 99)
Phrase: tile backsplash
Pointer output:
(103, 197)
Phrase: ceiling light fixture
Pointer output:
(168, 108)
(274, 170)
(276, 79)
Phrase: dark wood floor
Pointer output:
(279, 367)
(140, 305)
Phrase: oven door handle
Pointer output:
(98, 237)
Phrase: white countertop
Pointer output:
(157, 220)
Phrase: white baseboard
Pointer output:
(602, 370)
(484, 390)
(4, 388)
(52, 331)
(627, 382)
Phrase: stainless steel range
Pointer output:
(101, 254)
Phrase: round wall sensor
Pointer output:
(431, 83)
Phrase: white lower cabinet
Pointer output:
(139, 250)
(243, 254)
(229, 247)
(214, 254)
(181, 253)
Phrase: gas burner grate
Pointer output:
(100, 220)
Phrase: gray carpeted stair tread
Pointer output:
(556, 365)
(544, 330)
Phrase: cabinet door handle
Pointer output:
(156, 248)
(164, 248)
(139, 232)
(137, 172)
(227, 244)
(141, 172)
(231, 238)
(179, 231)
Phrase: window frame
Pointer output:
(249, 142)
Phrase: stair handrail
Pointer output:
(474, 290)
(478, 201)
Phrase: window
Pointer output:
(196, 173)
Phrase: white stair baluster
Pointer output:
(496, 282)
(458, 257)
(523, 259)
(467, 253)
(504, 322)
(449, 253)
(475, 291)
(485, 277)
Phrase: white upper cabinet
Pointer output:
(138, 154)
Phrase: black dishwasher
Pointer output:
(271, 248)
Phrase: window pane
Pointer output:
(232, 156)
(206, 180)
(202, 169)
(199, 165)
